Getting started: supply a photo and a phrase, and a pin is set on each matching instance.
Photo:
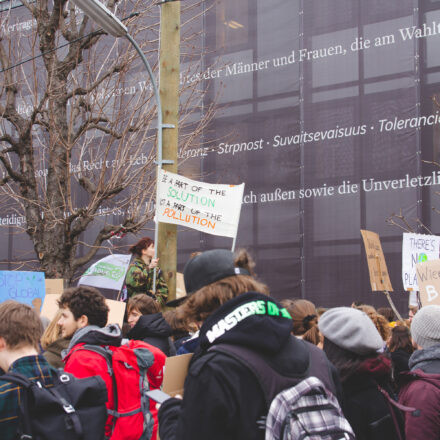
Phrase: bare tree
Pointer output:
(77, 140)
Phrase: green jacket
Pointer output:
(139, 279)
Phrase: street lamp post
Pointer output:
(113, 26)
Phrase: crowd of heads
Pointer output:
(352, 337)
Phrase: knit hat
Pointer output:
(425, 326)
(208, 267)
(351, 330)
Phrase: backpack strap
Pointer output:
(269, 379)
(107, 354)
(392, 403)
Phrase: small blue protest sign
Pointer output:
(22, 286)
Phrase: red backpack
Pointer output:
(134, 368)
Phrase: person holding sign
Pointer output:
(140, 273)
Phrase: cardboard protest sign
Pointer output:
(50, 306)
(107, 273)
(417, 248)
(22, 286)
(210, 208)
(54, 286)
(176, 370)
(428, 278)
(116, 313)
(180, 286)
(115, 316)
(377, 266)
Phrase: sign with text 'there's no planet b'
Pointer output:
(211, 208)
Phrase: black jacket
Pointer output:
(223, 399)
(154, 330)
(366, 409)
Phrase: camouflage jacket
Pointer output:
(139, 279)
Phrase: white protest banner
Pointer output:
(107, 273)
(214, 209)
(417, 248)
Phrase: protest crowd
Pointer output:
(260, 368)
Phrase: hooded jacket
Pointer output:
(85, 363)
(154, 330)
(223, 399)
(421, 390)
(367, 410)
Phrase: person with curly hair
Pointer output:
(84, 315)
(140, 274)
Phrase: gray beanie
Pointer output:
(351, 330)
(425, 326)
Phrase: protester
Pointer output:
(84, 314)
(140, 273)
(422, 388)
(53, 343)
(20, 332)
(148, 325)
(351, 343)
(400, 347)
(305, 319)
(387, 313)
(223, 398)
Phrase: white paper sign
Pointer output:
(417, 248)
(210, 208)
(107, 273)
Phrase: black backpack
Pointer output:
(71, 409)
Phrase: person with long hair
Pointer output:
(351, 342)
(140, 273)
(53, 343)
(401, 348)
(305, 319)
(223, 398)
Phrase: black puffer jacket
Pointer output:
(154, 330)
(223, 399)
